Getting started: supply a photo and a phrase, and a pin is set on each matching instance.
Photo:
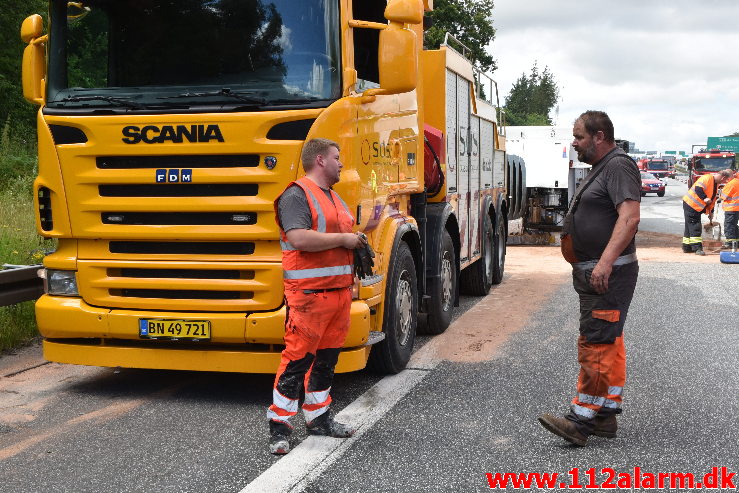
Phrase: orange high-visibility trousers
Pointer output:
(315, 330)
(601, 380)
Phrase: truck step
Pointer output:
(375, 337)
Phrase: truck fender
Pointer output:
(440, 216)
(394, 231)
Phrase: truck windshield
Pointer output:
(133, 54)
(657, 165)
(713, 163)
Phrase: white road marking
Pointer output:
(314, 455)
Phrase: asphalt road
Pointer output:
(452, 417)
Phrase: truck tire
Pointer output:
(477, 279)
(399, 317)
(441, 291)
(499, 244)
(660, 194)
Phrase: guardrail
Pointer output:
(20, 283)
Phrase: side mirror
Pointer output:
(398, 50)
(404, 11)
(398, 60)
(34, 59)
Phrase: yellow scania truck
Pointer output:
(167, 129)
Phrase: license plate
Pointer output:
(174, 329)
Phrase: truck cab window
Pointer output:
(193, 53)
(366, 42)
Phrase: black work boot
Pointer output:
(565, 428)
(687, 248)
(325, 425)
(605, 426)
(279, 434)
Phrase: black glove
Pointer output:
(363, 262)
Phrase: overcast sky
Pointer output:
(667, 72)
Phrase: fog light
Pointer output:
(61, 282)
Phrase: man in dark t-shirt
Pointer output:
(601, 225)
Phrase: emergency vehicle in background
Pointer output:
(709, 161)
(161, 153)
(658, 167)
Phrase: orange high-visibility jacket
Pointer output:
(327, 269)
(708, 185)
(730, 196)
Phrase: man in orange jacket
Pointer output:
(701, 198)
(730, 198)
(318, 262)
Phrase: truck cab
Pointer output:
(709, 161)
(167, 130)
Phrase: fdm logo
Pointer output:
(173, 176)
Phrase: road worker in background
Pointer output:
(598, 240)
(700, 199)
(730, 198)
(318, 263)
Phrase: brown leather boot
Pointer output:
(605, 426)
(564, 428)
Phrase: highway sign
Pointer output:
(730, 144)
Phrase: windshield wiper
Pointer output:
(299, 100)
(223, 92)
(109, 99)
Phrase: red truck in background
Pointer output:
(709, 161)
(660, 168)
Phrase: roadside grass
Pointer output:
(17, 326)
(20, 244)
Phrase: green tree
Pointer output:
(532, 98)
(470, 21)
(14, 110)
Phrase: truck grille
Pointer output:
(179, 218)
(184, 227)
(181, 248)
(168, 285)
(179, 190)
(204, 161)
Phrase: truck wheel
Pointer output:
(477, 279)
(644, 194)
(500, 240)
(660, 194)
(399, 316)
(442, 290)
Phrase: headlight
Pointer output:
(61, 282)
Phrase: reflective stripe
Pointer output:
(318, 397)
(318, 272)
(321, 219)
(696, 239)
(686, 241)
(615, 390)
(287, 247)
(702, 205)
(591, 399)
(336, 195)
(311, 415)
(612, 404)
(584, 411)
(622, 260)
(279, 400)
(276, 417)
